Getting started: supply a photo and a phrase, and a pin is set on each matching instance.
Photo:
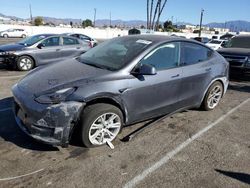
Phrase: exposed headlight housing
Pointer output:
(55, 97)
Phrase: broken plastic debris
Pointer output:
(110, 145)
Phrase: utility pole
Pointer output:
(110, 19)
(202, 11)
(94, 16)
(31, 18)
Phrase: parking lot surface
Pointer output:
(190, 149)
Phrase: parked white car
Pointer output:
(13, 33)
(216, 44)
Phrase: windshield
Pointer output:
(239, 42)
(114, 54)
(31, 40)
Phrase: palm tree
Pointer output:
(147, 14)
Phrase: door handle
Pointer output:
(78, 48)
(208, 69)
(57, 50)
(175, 76)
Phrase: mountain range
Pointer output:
(238, 25)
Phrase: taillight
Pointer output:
(90, 45)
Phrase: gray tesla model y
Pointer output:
(120, 82)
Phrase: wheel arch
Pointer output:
(222, 80)
(108, 100)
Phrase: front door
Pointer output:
(154, 95)
(50, 52)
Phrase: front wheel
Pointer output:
(5, 36)
(213, 96)
(25, 63)
(100, 123)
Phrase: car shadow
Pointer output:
(10, 132)
(243, 177)
(241, 87)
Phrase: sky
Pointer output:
(175, 10)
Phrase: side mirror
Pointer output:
(40, 46)
(144, 69)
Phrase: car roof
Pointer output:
(159, 38)
(243, 36)
(47, 35)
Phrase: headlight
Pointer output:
(55, 97)
(7, 53)
(10, 52)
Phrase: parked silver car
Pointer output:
(14, 33)
(40, 50)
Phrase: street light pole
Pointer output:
(202, 11)
(94, 16)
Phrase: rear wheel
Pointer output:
(25, 63)
(23, 36)
(213, 96)
(100, 123)
(5, 36)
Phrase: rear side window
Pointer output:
(83, 37)
(192, 53)
(69, 41)
(53, 41)
(164, 57)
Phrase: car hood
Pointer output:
(69, 73)
(11, 47)
(235, 51)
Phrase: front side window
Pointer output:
(164, 57)
(69, 41)
(192, 53)
(53, 41)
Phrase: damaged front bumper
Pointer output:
(50, 124)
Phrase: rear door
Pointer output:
(153, 95)
(71, 47)
(197, 64)
(50, 52)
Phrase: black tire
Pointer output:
(23, 36)
(205, 104)
(5, 36)
(20, 63)
(90, 114)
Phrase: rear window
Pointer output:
(69, 41)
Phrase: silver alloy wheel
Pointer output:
(214, 97)
(25, 63)
(105, 128)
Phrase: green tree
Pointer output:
(38, 21)
(87, 23)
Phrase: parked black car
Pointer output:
(237, 53)
(204, 40)
(40, 50)
(120, 82)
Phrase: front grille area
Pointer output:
(235, 60)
